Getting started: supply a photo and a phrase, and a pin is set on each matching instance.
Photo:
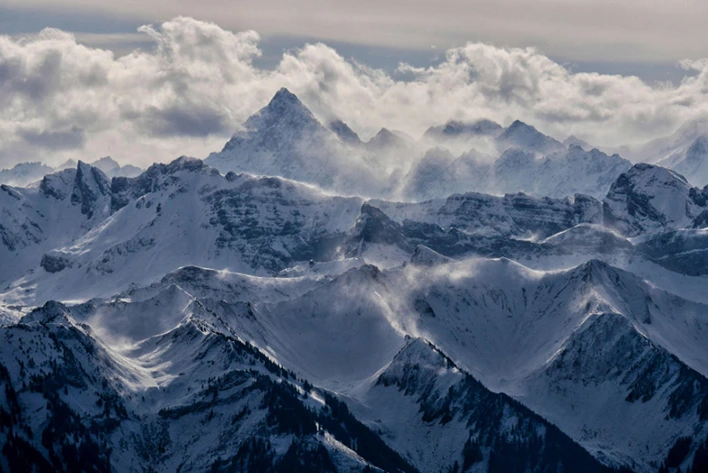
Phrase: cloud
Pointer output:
(54, 140)
(581, 30)
(185, 95)
(181, 119)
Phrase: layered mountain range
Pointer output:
(24, 174)
(272, 309)
(286, 139)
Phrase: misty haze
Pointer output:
(275, 237)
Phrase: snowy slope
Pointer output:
(506, 324)
(651, 198)
(622, 396)
(186, 213)
(64, 206)
(559, 174)
(436, 414)
(220, 322)
(191, 398)
(692, 163)
(509, 326)
(513, 214)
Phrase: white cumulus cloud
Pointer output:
(60, 99)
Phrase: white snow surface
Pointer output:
(182, 282)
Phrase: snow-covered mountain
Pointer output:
(344, 133)
(521, 135)
(693, 163)
(389, 141)
(285, 139)
(517, 135)
(648, 198)
(174, 356)
(196, 396)
(24, 173)
(192, 398)
(573, 140)
(185, 213)
(685, 151)
(61, 209)
(559, 174)
(189, 320)
(113, 169)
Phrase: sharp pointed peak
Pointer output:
(519, 128)
(384, 132)
(344, 131)
(598, 271)
(283, 92)
(595, 264)
(385, 138)
(519, 125)
(86, 171)
(421, 352)
(415, 346)
(284, 98)
(574, 141)
(83, 168)
(283, 107)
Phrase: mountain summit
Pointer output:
(524, 136)
(285, 139)
(284, 110)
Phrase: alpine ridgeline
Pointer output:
(303, 310)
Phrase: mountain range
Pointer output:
(277, 308)
(285, 139)
(24, 174)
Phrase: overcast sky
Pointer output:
(182, 86)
